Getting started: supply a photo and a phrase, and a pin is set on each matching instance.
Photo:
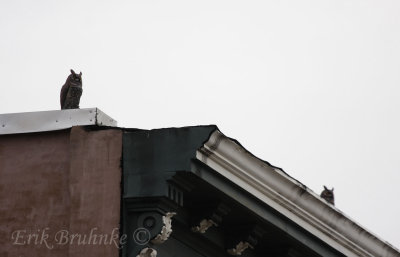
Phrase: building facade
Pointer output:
(72, 183)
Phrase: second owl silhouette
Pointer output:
(328, 195)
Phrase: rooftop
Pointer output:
(28, 122)
(271, 185)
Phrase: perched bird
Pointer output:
(71, 92)
(328, 195)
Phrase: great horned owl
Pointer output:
(328, 195)
(71, 92)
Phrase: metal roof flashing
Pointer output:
(29, 122)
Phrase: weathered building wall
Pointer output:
(34, 191)
(60, 193)
(95, 190)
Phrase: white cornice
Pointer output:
(291, 198)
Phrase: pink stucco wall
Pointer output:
(60, 193)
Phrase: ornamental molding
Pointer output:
(291, 198)
(147, 252)
(166, 230)
(240, 248)
(212, 217)
(204, 225)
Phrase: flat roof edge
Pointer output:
(29, 122)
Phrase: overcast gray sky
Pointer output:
(310, 86)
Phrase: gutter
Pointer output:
(291, 198)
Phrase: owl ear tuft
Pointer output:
(332, 189)
(80, 73)
(73, 72)
(325, 188)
